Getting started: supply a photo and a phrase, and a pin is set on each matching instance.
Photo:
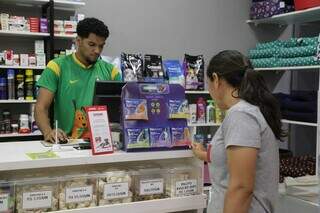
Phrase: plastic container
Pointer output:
(77, 192)
(115, 187)
(36, 89)
(210, 114)
(6, 121)
(201, 110)
(29, 84)
(6, 197)
(15, 128)
(219, 115)
(37, 195)
(11, 84)
(3, 89)
(20, 86)
(24, 124)
(149, 184)
(183, 181)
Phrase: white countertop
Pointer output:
(13, 156)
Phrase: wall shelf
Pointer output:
(196, 92)
(295, 17)
(22, 34)
(17, 101)
(203, 124)
(19, 135)
(288, 68)
(299, 123)
(21, 67)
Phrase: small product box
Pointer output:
(183, 181)
(39, 46)
(16, 60)
(149, 184)
(192, 113)
(135, 109)
(34, 24)
(137, 138)
(77, 192)
(178, 109)
(115, 187)
(44, 25)
(70, 27)
(4, 21)
(32, 60)
(24, 60)
(180, 136)
(160, 137)
(41, 59)
(37, 195)
(6, 197)
(8, 55)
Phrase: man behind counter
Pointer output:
(70, 80)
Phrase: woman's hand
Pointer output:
(199, 151)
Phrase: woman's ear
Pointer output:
(215, 79)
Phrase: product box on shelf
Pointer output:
(149, 184)
(7, 197)
(24, 60)
(77, 191)
(305, 4)
(41, 59)
(37, 195)
(183, 181)
(70, 27)
(18, 23)
(115, 187)
(4, 21)
(38, 46)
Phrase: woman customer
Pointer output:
(243, 154)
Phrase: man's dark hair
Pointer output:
(92, 25)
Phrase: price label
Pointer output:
(35, 200)
(151, 187)
(116, 190)
(79, 194)
(4, 202)
(186, 187)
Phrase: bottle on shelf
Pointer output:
(29, 85)
(3, 89)
(7, 121)
(201, 110)
(24, 124)
(210, 114)
(11, 85)
(20, 86)
(36, 89)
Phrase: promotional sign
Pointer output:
(100, 134)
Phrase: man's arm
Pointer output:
(41, 114)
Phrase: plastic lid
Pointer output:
(29, 72)
(24, 117)
(10, 73)
(3, 80)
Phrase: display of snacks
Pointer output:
(6, 197)
(77, 192)
(115, 187)
(36, 195)
(183, 181)
(149, 184)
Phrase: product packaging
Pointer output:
(174, 72)
(194, 71)
(153, 68)
(135, 109)
(178, 109)
(201, 110)
(138, 138)
(132, 67)
(160, 137)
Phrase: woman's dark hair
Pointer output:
(92, 25)
(237, 71)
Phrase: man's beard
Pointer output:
(91, 62)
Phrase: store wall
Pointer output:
(172, 28)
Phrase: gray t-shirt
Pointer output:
(244, 125)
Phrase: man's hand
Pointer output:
(199, 151)
(50, 136)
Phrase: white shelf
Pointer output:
(63, 36)
(288, 68)
(17, 101)
(19, 135)
(59, 4)
(299, 123)
(21, 67)
(203, 124)
(26, 3)
(154, 206)
(19, 160)
(64, 4)
(301, 16)
(196, 92)
(22, 34)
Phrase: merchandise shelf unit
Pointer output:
(19, 161)
(296, 17)
(48, 8)
(293, 18)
